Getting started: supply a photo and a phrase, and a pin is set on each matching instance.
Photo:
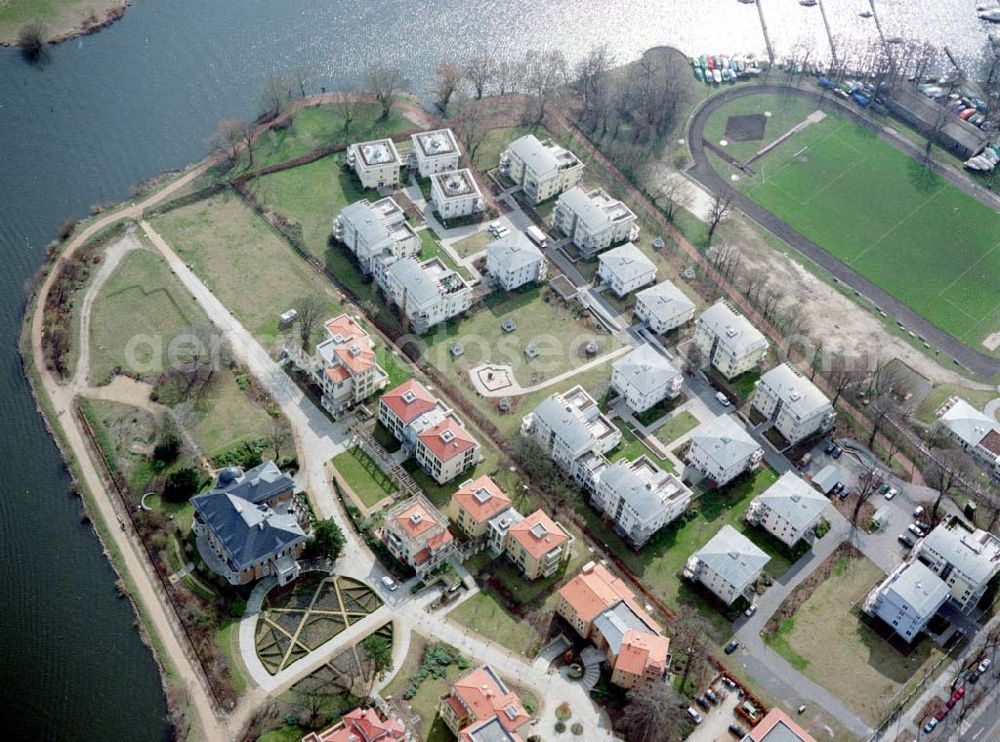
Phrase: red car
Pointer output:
(957, 695)
(941, 714)
(951, 703)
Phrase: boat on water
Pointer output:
(717, 75)
(991, 14)
(808, 3)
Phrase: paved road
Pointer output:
(703, 172)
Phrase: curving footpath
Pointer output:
(702, 171)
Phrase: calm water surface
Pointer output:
(143, 97)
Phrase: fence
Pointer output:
(383, 459)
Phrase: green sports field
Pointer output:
(910, 232)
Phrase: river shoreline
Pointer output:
(92, 24)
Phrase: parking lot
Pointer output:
(715, 722)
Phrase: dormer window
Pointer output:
(409, 397)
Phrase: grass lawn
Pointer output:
(786, 111)
(245, 264)
(496, 141)
(140, 299)
(632, 448)
(57, 15)
(183, 512)
(681, 423)
(472, 244)
(939, 394)
(440, 494)
(228, 639)
(827, 641)
(661, 561)
(428, 697)
(429, 246)
(887, 217)
(484, 614)
(363, 476)
(226, 416)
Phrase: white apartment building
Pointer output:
(435, 152)
(907, 599)
(796, 406)
(663, 307)
(427, 293)
(344, 365)
(374, 231)
(376, 163)
(593, 220)
(975, 432)
(625, 268)
(966, 560)
(728, 565)
(728, 340)
(789, 509)
(455, 193)
(722, 450)
(640, 498)
(644, 377)
(515, 260)
(543, 168)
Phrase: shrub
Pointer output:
(237, 609)
(31, 39)
(326, 540)
(577, 729)
(66, 229)
(181, 484)
(560, 727)
(563, 711)
(167, 450)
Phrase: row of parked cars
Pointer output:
(957, 696)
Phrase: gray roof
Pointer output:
(826, 478)
(239, 513)
(967, 422)
(918, 587)
(596, 209)
(491, 730)
(368, 222)
(732, 556)
(615, 621)
(780, 732)
(544, 161)
(514, 251)
(796, 392)
(627, 262)
(794, 500)
(418, 284)
(733, 328)
(724, 440)
(665, 300)
(976, 555)
(563, 420)
(646, 369)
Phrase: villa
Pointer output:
(475, 503)
(594, 220)
(435, 152)
(644, 378)
(344, 365)
(376, 163)
(907, 599)
(427, 293)
(625, 268)
(789, 509)
(249, 525)
(722, 450)
(974, 431)
(640, 498)
(794, 405)
(730, 343)
(455, 193)
(543, 168)
(417, 535)
(729, 565)
(967, 560)
(514, 261)
(538, 545)
(375, 231)
(362, 725)
(663, 307)
(481, 708)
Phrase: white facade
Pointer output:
(640, 498)
(625, 269)
(973, 431)
(663, 307)
(645, 377)
(543, 168)
(374, 231)
(376, 163)
(593, 220)
(730, 343)
(728, 565)
(722, 450)
(789, 509)
(435, 152)
(515, 260)
(796, 406)
(966, 560)
(907, 599)
(455, 193)
(427, 293)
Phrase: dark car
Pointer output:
(941, 714)
(838, 488)
(732, 647)
(884, 488)
(974, 676)
(905, 540)
(737, 731)
(830, 447)
(837, 451)
(951, 703)
(700, 700)
(710, 695)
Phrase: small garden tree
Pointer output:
(327, 540)
(378, 650)
(181, 484)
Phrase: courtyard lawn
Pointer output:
(786, 111)
(484, 614)
(496, 141)
(140, 299)
(245, 264)
(472, 244)
(429, 246)
(827, 641)
(887, 216)
(363, 476)
(427, 700)
(681, 423)
(660, 562)
(632, 448)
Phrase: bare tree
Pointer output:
(945, 472)
(840, 375)
(302, 76)
(471, 128)
(671, 196)
(346, 102)
(278, 436)
(590, 72)
(508, 74)
(727, 261)
(816, 362)
(867, 485)
(480, 71)
(385, 82)
(274, 95)
(655, 712)
(722, 206)
(448, 76)
(310, 312)
(228, 139)
(196, 354)
(546, 71)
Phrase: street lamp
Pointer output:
(763, 28)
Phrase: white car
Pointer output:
(984, 665)
(891, 493)
(751, 610)
(723, 399)
(918, 511)
(494, 227)
(390, 584)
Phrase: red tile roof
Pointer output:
(481, 498)
(538, 534)
(344, 326)
(775, 718)
(337, 374)
(358, 358)
(417, 519)
(361, 724)
(409, 400)
(641, 650)
(484, 696)
(447, 439)
(593, 590)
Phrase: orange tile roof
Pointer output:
(641, 650)
(592, 591)
(422, 400)
(337, 374)
(474, 732)
(538, 534)
(417, 519)
(442, 539)
(344, 326)
(447, 439)
(484, 696)
(470, 498)
(774, 718)
(363, 722)
(358, 358)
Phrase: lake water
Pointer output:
(143, 97)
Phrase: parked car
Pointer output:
(494, 227)
(918, 511)
(700, 700)
(929, 726)
(710, 695)
(891, 493)
(732, 647)
(723, 399)
(729, 683)
(950, 703)
(390, 584)
(984, 665)
(884, 489)
(829, 448)
(905, 540)
(801, 709)
(805, 460)
(751, 610)
(737, 731)
(838, 488)
(844, 494)
(694, 715)
(957, 695)
(837, 451)
(973, 677)
(941, 713)
(915, 530)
